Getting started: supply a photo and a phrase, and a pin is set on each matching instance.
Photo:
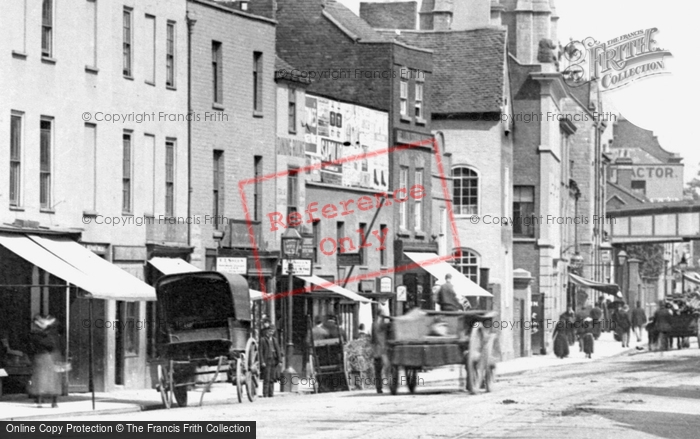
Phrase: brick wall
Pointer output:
(243, 134)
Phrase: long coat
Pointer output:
(622, 322)
(270, 354)
(639, 317)
(46, 350)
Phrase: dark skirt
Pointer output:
(561, 345)
(588, 343)
(45, 380)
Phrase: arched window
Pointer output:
(465, 193)
(467, 263)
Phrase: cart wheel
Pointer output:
(239, 379)
(412, 379)
(312, 372)
(164, 387)
(252, 372)
(394, 380)
(475, 365)
(180, 393)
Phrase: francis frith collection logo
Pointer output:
(616, 62)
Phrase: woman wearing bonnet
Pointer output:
(45, 348)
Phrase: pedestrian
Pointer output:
(569, 318)
(331, 326)
(623, 324)
(46, 359)
(639, 320)
(270, 359)
(588, 336)
(560, 338)
(447, 298)
(380, 329)
(596, 316)
(579, 317)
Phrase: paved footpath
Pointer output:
(21, 407)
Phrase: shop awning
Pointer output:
(436, 266)
(116, 283)
(611, 289)
(70, 261)
(330, 286)
(172, 265)
(692, 277)
(32, 252)
(256, 295)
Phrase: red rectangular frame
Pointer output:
(441, 171)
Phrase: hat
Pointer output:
(44, 322)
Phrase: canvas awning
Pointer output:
(436, 266)
(692, 277)
(611, 289)
(172, 265)
(70, 261)
(330, 286)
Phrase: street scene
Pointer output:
(347, 218)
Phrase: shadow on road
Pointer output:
(666, 425)
(691, 392)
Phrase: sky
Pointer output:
(664, 104)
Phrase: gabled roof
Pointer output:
(623, 194)
(630, 136)
(284, 70)
(468, 68)
(351, 22)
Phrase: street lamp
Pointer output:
(291, 243)
(622, 261)
(683, 264)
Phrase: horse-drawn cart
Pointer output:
(205, 329)
(670, 326)
(422, 340)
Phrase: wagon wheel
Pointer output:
(164, 387)
(412, 378)
(252, 373)
(239, 378)
(476, 366)
(394, 379)
(180, 393)
(314, 377)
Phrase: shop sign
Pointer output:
(232, 265)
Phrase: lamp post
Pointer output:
(683, 264)
(291, 243)
(622, 261)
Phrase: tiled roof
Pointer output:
(468, 68)
(283, 70)
(626, 195)
(354, 24)
(400, 15)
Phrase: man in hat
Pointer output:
(447, 298)
(270, 358)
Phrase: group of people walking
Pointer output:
(586, 327)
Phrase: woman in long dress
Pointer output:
(561, 338)
(45, 347)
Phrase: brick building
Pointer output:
(641, 165)
(349, 62)
(233, 98)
